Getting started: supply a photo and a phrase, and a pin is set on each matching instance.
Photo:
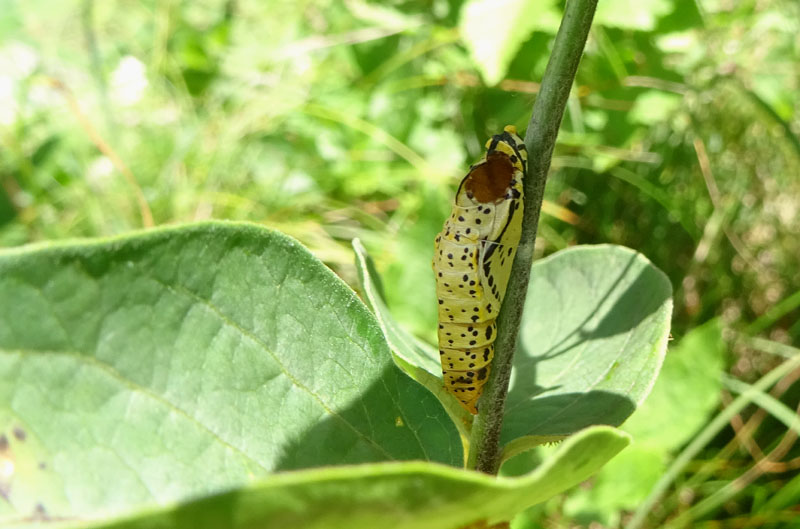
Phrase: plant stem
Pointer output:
(540, 138)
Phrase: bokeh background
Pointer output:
(330, 120)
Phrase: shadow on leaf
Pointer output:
(589, 344)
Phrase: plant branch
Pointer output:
(540, 138)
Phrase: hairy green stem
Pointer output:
(540, 138)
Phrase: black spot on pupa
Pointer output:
(472, 342)
(491, 280)
(461, 219)
(482, 373)
(486, 353)
(509, 251)
(471, 365)
(473, 356)
(463, 257)
(488, 332)
(472, 283)
(441, 301)
(474, 333)
(474, 318)
(513, 158)
(468, 230)
(487, 211)
(441, 353)
(477, 221)
(466, 277)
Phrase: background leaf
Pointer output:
(684, 396)
(632, 14)
(690, 376)
(187, 360)
(493, 30)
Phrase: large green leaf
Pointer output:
(399, 495)
(182, 361)
(595, 329)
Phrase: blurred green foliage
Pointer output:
(335, 119)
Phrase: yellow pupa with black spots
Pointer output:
(472, 263)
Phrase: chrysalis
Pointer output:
(472, 262)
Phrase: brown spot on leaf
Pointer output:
(19, 433)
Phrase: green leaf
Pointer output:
(400, 495)
(494, 30)
(632, 14)
(654, 106)
(593, 337)
(183, 361)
